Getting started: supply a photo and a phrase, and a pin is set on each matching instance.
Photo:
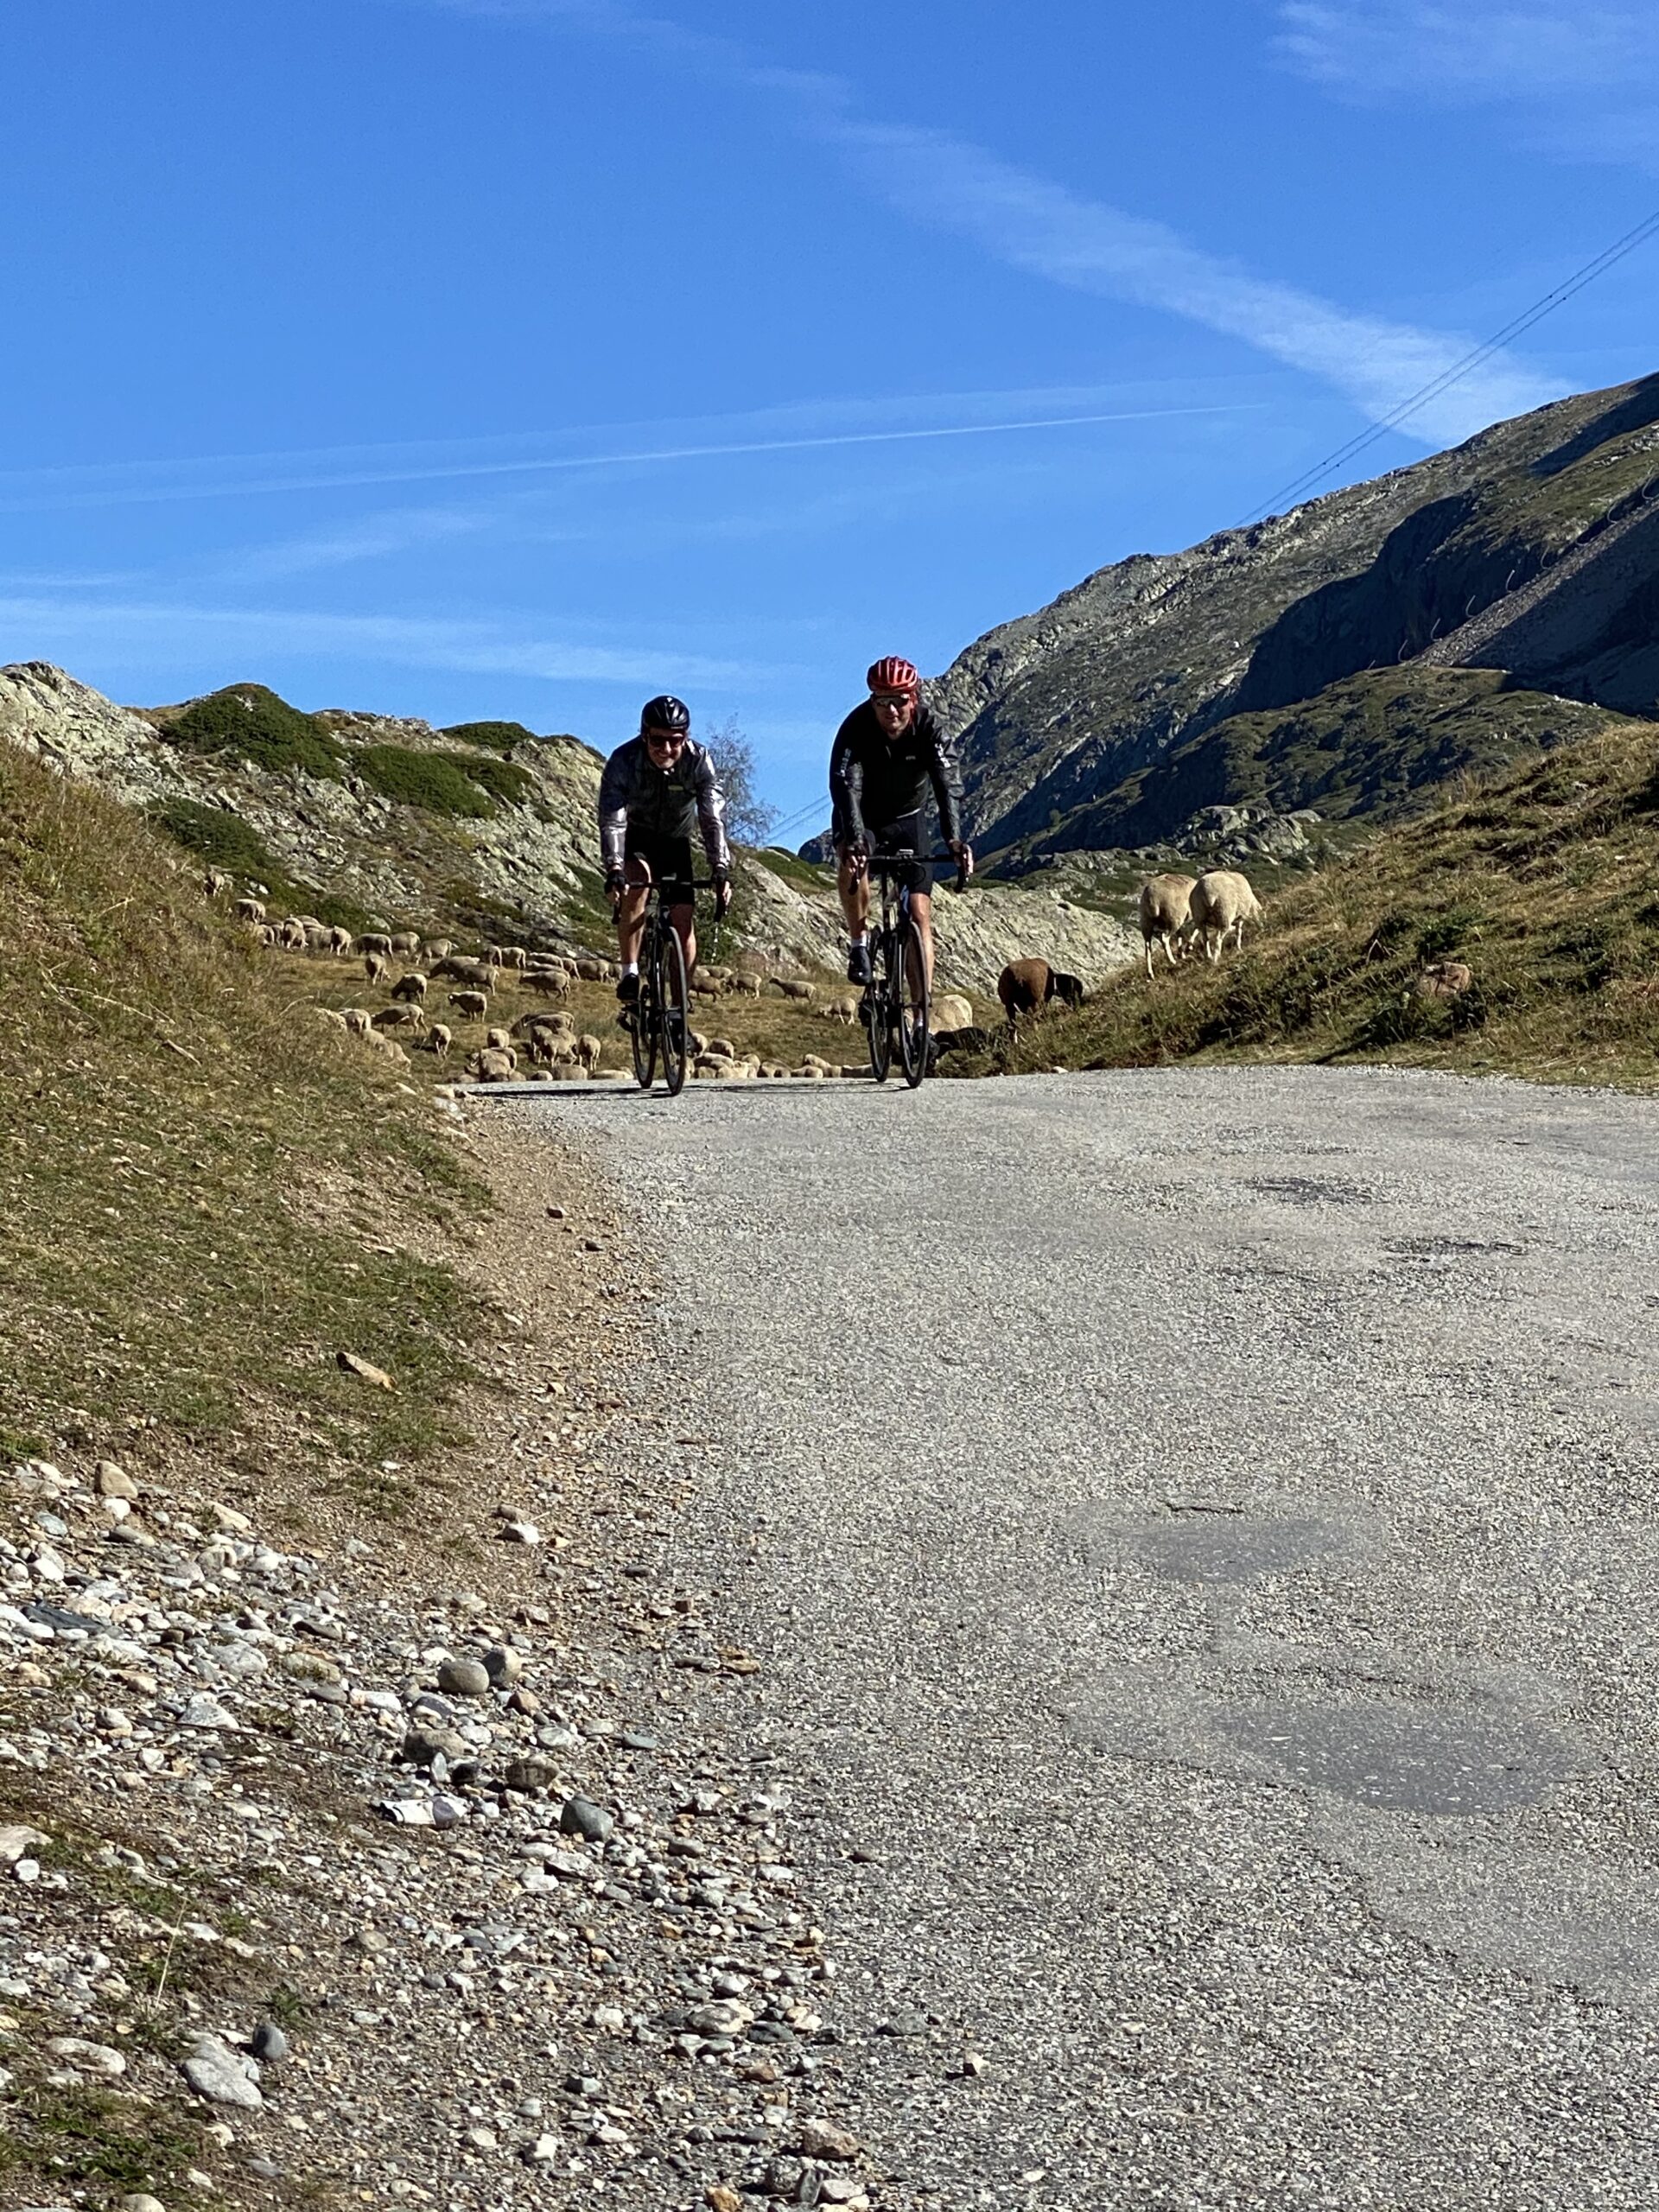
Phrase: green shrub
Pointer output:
(436, 781)
(251, 721)
(498, 737)
(513, 786)
(1448, 932)
(223, 839)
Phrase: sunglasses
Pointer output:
(669, 739)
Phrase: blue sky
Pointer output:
(520, 358)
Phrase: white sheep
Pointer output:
(410, 987)
(250, 910)
(374, 966)
(1223, 902)
(438, 1040)
(358, 1021)
(1166, 912)
(339, 940)
(588, 1050)
(216, 883)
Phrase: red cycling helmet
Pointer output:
(894, 674)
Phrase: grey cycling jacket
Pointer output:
(661, 803)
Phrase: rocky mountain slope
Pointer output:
(1531, 551)
(481, 830)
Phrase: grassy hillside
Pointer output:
(1545, 882)
(206, 1192)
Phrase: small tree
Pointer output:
(747, 814)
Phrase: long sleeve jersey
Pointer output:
(875, 779)
(661, 803)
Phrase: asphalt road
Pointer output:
(1200, 1528)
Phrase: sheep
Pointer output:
(844, 1008)
(215, 883)
(410, 987)
(707, 988)
(971, 1039)
(552, 982)
(493, 955)
(514, 956)
(949, 1012)
(1026, 987)
(340, 941)
(497, 1040)
(558, 1025)
(440, 1036)
(1444, 979)
(491, 1066)
(291, 936)
(388, 1048)
(549, 1048)
(400, 1017)
(439, 947)
(476, 974)
(720, 1048)
(374, 941)
(374, 966)
(793, 988)
(1223, 902)
(476, 1003)
(746, 985)
(265, 933)
(406, 944)
(250, 910)
(1165, 912)
(358, 1020)
(588, 1050)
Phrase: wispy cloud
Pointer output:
(145, 632)
(803, 428)
(1092, 247)
(1045, 228)
(1475, 50)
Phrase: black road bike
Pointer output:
(661, 1022)
(895, 1006)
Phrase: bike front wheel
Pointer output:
(878, 1006)
(674, 1002)
(647, 1019)
(912, 1001)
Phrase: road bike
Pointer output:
(660, 1023)
(895, 1008)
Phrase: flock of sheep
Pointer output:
(1185, 913)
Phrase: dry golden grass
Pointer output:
(1545, 882)
(204, 1191)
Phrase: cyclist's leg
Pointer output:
(683, 915)
(921, 908)
(630, 911)
(854, 891)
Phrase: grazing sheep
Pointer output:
(406, 944)
(439, 947)
(747, 986)
(401, 1017)
(558, 1025)
(588, 967)
(476, 1003)
(1444, 979)
(291, 936)
(411, 988)
(491, 1066)
(793, 988)
(1223, 902)
(552, 982)
(374, 966)
(949, 1012)
(514, 956)
(250, 910)
(971, 1040)
(720, 1048)
(493, 955)
(438, 1040)
(375, 941)
(477, 974)
(358, 1020)
(696, 1040)
(388, 1047)
(588, 1052)
(1026, 987)
(215, 883)
(497, 1040)
(843, 1007)
(1166, 910)
(264, 931)
(340, 941)
(706, 989)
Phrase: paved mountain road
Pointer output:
(1200, 1530)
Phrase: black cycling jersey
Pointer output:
(635, 794)
(876, 778)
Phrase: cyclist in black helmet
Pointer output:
(654, 790)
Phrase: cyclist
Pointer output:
(654, 790)
(885, 754)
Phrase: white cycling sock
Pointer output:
(859, 937)
(632, 968)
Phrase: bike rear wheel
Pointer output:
(674, 1002)
(878, 1005)
(647, 1018)
(910, 1001)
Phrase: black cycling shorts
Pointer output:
(669, 860)
(904, 835)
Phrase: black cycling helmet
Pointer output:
(665, 713)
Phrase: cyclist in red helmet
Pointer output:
(885, 754)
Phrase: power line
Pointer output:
(1292, 492)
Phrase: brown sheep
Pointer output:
(373, 941)
(1223, 902)
(374, 966)
(400, 1017)
(552, 982)
(1026, 987)
(438, 1040)
(793, 988)
(1166, 910)
(476, 1003)
(439, 947)
(411, 988)
(406, 944)
(250, 910)
(747, 986)
(588, 1050)
(476, 974)
(491, 1066)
